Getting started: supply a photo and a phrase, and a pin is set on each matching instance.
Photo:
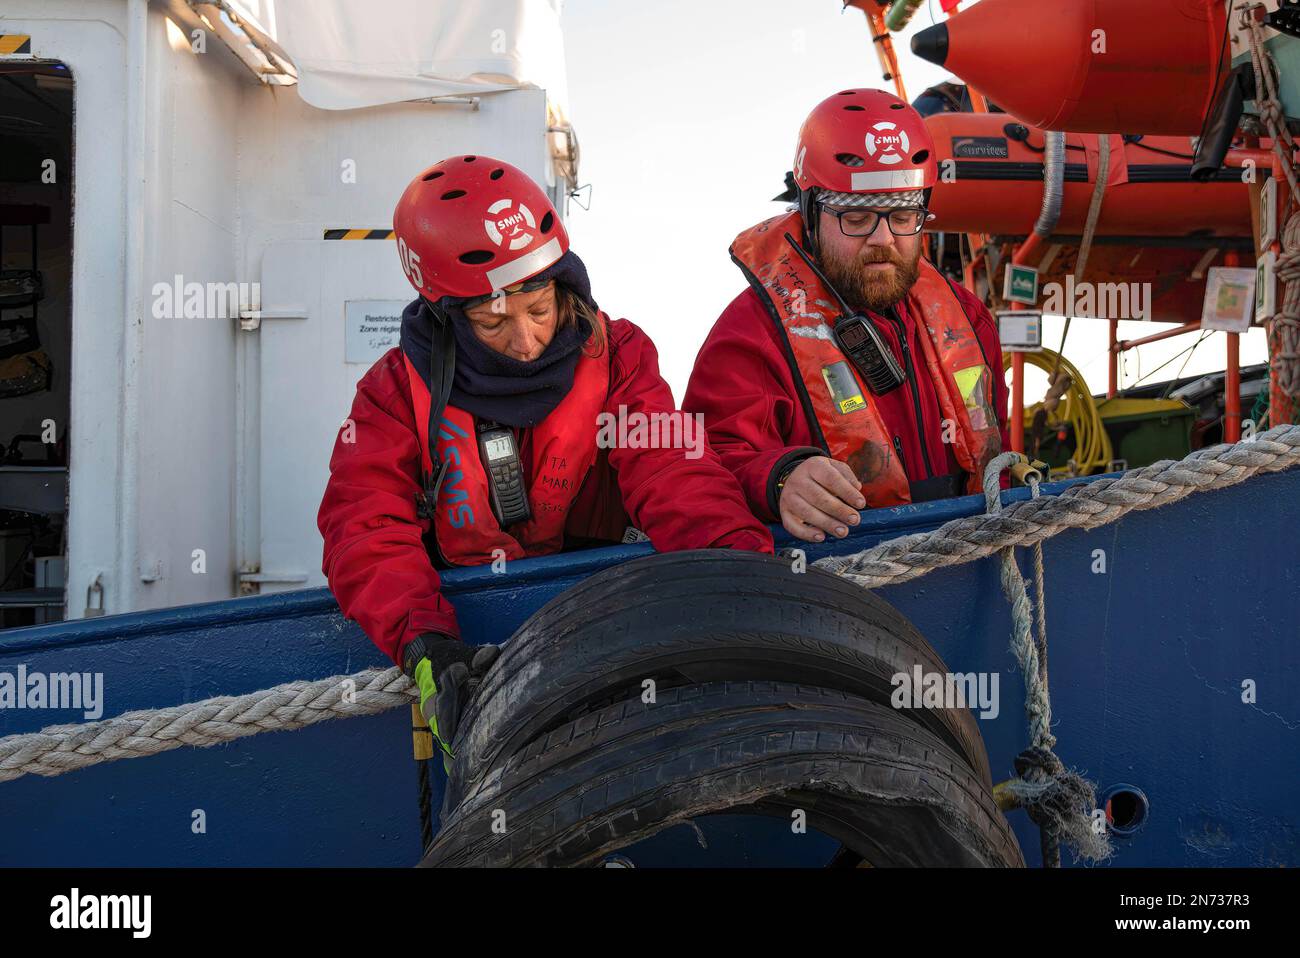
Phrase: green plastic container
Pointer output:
(1143, 431)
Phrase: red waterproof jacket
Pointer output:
(743, 385)
(375, 559)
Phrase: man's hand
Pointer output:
(820, 497)
(448, 673)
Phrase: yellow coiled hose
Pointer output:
(1092, 448)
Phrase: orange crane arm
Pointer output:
(884, 43)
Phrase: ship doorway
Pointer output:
(36, 146)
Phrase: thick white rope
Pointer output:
(1058, 800)
(294, 705)
(64, 748)
(1285, 324)
(1085, 506)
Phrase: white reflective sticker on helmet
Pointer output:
(889, 180)
(527, 265)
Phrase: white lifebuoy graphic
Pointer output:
(512, 223)
(889, 141)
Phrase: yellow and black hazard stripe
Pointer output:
(358, 234)
(15, 43)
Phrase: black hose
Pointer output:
(1222, 122)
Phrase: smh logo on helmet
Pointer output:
(511, 223)
(889, 141)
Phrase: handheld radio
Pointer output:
(857, 338)
(499, 454)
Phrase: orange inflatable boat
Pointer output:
(991, 181)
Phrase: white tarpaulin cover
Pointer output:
(357, 53)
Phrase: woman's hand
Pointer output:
(820, 497)
(447, 673)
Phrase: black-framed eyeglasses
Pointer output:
(862, 222)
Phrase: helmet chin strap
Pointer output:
(442, 371)
(808, 213)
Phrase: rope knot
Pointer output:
(1060, 802)
(1038, 763)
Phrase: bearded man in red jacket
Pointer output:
(851, 373)
(489, 432)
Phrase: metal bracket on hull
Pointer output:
(250, 581)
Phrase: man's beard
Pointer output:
(873, 290)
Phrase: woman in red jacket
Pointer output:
(485, 435)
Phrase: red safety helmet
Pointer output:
(864, 141)
(472, 225)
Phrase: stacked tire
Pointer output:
(714, 682)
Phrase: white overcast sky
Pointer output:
(687, 111)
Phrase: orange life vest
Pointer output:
(839, 406)
(561, 453)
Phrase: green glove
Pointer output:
(448, 673)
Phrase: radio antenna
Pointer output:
(820, 275)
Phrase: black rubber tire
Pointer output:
(689, 617)
(863, 773)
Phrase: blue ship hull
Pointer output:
(1147, 666)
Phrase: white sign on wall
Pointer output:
(1265, 287)
(1268, 213)
(1021, 330)
(372, 328)
(1229, 299)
